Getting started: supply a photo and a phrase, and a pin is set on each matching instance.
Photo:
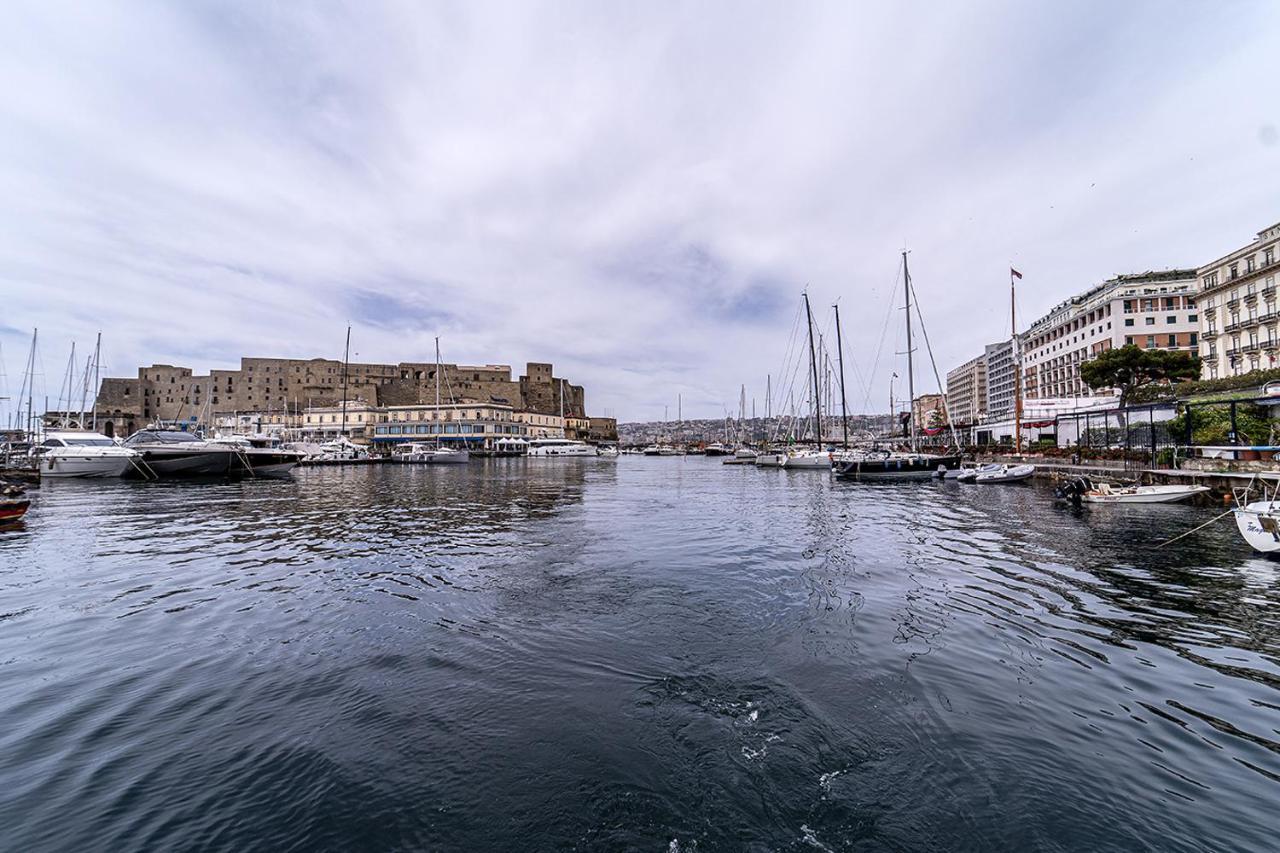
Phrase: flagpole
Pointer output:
(1017, 366)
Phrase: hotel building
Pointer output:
(967, 392)
(1152, 310)
(1239, 318)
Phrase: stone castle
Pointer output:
(163, 392)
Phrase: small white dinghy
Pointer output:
(1005, 474)
(969, 475)
(1106, 494)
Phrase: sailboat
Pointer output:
(433, 453)
(815, 458)
(891, 464)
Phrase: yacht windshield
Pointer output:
(155, 437)
(89, 442)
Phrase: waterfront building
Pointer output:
(928, 411)
(539, 425)
(1000, 380)
(276, 385)
(967, 392)
(326, 423)
(603, 430)
(1152, 310)
(474, 426)
(1239, 319)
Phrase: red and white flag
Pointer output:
(1014, 273)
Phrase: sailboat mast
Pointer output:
(97, 363)
(31, 382)
(346, 359)
(1017, 367)
(844, 405)
(813, 365)
(437, 377)
(911, 375)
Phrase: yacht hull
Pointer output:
(896, 469)
(80, 467)
(807, 463)
(190, 463)
(1259, 524)
(270, 463)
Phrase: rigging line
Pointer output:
(884, 331)
(936, 378)
(857, 373)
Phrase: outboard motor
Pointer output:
(1073, 490)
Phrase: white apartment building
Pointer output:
(1239, 318)
(1152, 310)
(967, 391)
(1000, 373)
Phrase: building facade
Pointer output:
(326, 423)
(967, 392)
(1151, 310)
(1000, 384)
(538, 425)
(928, 411)
(476, 426)
(270, 386)
(1239, 318)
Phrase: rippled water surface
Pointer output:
(647, 653)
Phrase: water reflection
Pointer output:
(630, 654)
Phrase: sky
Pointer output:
(636, 192)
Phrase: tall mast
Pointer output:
(31, 382)
(437, 377)
(64, 402)
(97, 362)
(346, 358)
(844, 406)
(911, 375)
(768, 396)
(84, 388)
(1017, 367)
(813, 365)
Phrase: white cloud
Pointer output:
(638, 193)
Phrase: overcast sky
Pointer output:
(637, 192)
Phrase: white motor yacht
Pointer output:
(83, 454)
(560, 447)
(812, 460)
(429, 454)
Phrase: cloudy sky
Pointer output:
(638, 192)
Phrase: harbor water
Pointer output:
(663, 654)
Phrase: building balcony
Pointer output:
(1251, 298)
(1233, 353)
(1251, 347)
(1233, 303)
(1231, 327)
(1267, 316)
(1208, 334)
(1271, 345)
(1249, 321)
(1269, 291)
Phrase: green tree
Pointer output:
(1129, 368)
